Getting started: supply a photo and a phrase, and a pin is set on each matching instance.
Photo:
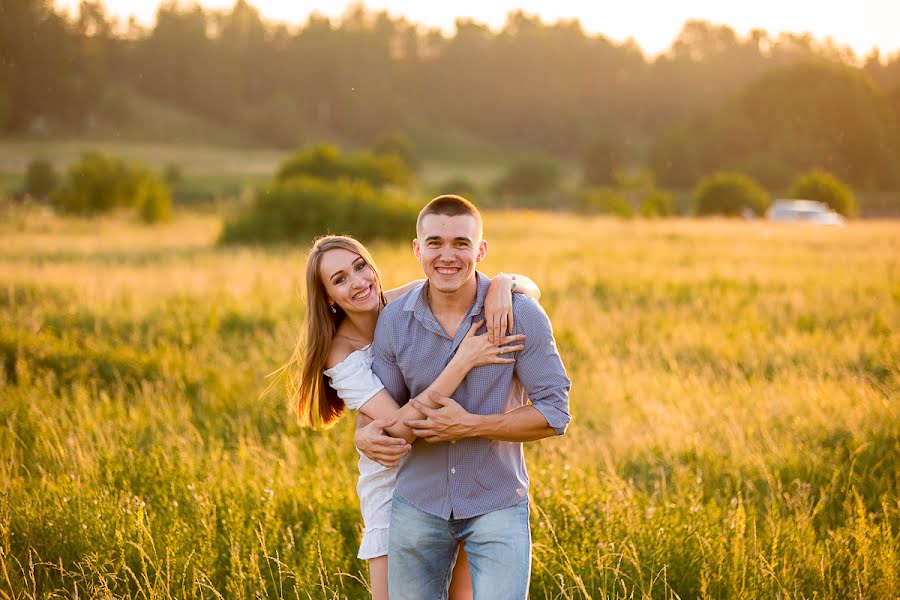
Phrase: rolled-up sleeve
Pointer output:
(539, 366)
(384, 360)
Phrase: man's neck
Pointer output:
(455, 303)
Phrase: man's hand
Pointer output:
(384, 449)
(447, 423)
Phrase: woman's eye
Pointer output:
(340, 280)
(360, 266)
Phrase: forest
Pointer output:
(763, 104)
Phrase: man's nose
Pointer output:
(446, 254)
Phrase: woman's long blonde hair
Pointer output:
(311, 398)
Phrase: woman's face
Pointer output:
(349, 281)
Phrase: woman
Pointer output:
(344, 297)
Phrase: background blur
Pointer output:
(735, 424)
(197, 86)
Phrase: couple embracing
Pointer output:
(456, 509)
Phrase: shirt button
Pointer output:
(453, 471)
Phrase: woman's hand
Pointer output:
(498, 309)
(372, 441)
(478, 350)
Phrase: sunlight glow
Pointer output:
(861, 25)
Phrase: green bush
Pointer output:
(728, 193)
(97, 184)
(820, 185)
(529, 177)
(657, 203)
(326, 162)
(301, 208)
(604, 200)
(40, 178)
(154, 201)
(459, 185)
(396, 143)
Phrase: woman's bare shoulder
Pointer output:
(340, 349)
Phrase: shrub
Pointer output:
(820, 185)
(301, 208)
(98, 183)
(95, 184)
(396, 143)
(530, 177)
(728, 193)
(604, 200)
(459, 185)
(153, 201)
(657, 203)
(326, 162)
(40, 178)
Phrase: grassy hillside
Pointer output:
(735, 427)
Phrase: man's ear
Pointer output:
(416, 250)
(482, 251)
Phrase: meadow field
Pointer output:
(735, 410)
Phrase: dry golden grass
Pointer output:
(735, 408)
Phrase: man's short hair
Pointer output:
(450, 205)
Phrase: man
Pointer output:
(465, 479)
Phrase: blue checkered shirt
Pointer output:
(472, 476)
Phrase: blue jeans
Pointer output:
(422, 552)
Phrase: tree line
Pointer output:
(715, 99)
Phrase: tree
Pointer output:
(98, 183)
(40, 178)
(729, 194)
(397, 143)
(534, 176)
(327, 162)
(673, 157)
(820, 185)
(602, 157)
(827, 115)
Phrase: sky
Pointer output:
(653, 24)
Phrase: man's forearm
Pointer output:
(524, 424)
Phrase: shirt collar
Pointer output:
(417, 303)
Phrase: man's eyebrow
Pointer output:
(460, 238)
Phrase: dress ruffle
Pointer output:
(374, 543)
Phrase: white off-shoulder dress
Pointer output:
(355, 384)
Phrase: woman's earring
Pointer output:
(333, 309)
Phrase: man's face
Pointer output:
(449, 248)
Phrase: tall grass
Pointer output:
(735, 428)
